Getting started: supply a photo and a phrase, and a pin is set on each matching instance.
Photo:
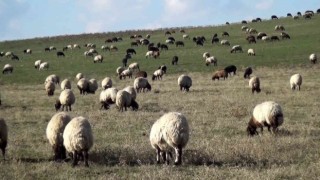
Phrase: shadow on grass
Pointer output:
(33, 160)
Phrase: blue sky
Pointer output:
(24, 19)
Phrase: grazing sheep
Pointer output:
(205, 55)
(175, 60)
(3, 136)
(50, 87)
(93, 86)
(141, 74)
(284, 35)
(78, 139)
(43, 66)
(274, 17)
(231, 69)
(98, 58)
(251, 52)
(113, 48)
(54, 78)
(149, 54)
(131, 51)
(265, 38)
(54, 133)
(313, 58)
(236, 48)
(247, 72)
(220, 74)
(76, 46)
(119, 70)
(37, 64)
(268, 114)
(52, 48)
(254, 84)
(88, 54)
(65, 84)
(295, 81)
(169, 132)
(131, 91)
(127, 72)
(60, 54)
(244, 28)
(134, 66)
(83, 86)
(8, 54)
(179, 44)
(66, 99)
(124, 100)
(106, 83)
(225, 42)
(184, 82)
(27, 51)
(157, 74)
(279, 28)
(79, 76)
(141, 83)
(225, 34)
(163, 68)
(105, 48)
(274, 38)
(108, 96)
(7, 68)
(260, 35)
(185, 36)
(211, 60)
(15, 57)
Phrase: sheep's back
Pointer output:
(56, 127)
(265, 111)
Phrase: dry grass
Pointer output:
(218, 112)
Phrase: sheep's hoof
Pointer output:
(177, 163)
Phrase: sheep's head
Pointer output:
(57, 105)
(148, 87)
(105, 105)
(153, 77)
(134, 105)
(252, 128)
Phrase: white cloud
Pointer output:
(264, 5)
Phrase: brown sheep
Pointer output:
(220, 74)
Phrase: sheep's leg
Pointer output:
(158, 155)
(75, 159)
(86, 157)
(178, 155)
(163, 155)
(167, 158)
(56, 152)
(62, 151)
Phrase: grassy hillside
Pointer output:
(217, 111)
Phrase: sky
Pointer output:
(25, 19)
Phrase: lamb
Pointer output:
(254, 84)
(83, 86)
(106, 83)
(169, 132)
(54, 78)
(65, 84)
(79, 76)
(124, 100)
(141, 84)
(78, 139)
(3, 136)
(7, 68)
(44, 65)
(54, 133)
(230, 69)
(313, 58)
(220, 74)
(251, 52)
(236, 48)
(131, 91)
(66, 99)
(157, 74)
(98, 58)
(125, 73)
(141, 74)
(93, 86)
(108, 96)
(184, 82)
(225, 42)
(211, 60)
(295, 81)
(50, 87)
(268, 114)
(134, 66)
(247, 72)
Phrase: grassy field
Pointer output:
(217, 111)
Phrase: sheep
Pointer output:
(141, 83)
(184, 82)
(106, 83)
(134, 66)
(27, 51)
(7, 68)
(44, 65)
(50, 87)
(274, 17)
(220, 74)
(211, 60)
(268, 114)
(93, 86)
(247, 72)
(54, 133)
(88, 54)
(236, 48)
(60, 53)
(163, 68)
(150, 54)
(225, 42)
(119, 70)
(141, 74)
(205, 55)
(169, 132)
(265, 38)
(254, 84)
(65, 84)
(124, 100)
(252, 31)
(131, 91)
(76, 46)
(251, 52)
(279, 28)
(185, 36)
(52, 48)
(66, 99)
(175, 60)
(8, 54)
(54, 78)
(78, 139)
(98, 58)
(83, 86)
(37, 64)
(3, 136)
(284, 35)
(105, 48)
(231, 69)
(313, 58)
(79, 76)
(244, 28)
(295, 81)
(125, 73)
(157, 74)
(108, 96)
(93, 51)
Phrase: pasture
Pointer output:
(217, 111)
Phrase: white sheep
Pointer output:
(251, 52)
(52, 48)
(108, 96)
(225, 42)
(37, 64)
(78, 139)
(119, 70)
(268, 114)
(211, 60)
(106, 83)
(184, 82)
(295, 81)
(7, 68)
(206, 55)
(185, 36)
(54, 78)
(65, 84)
(83, 86)
(44, 65)
(236, 48)
(8, 54)
(127, 72)
(54, 134)
(93, 86)
(50, 87)
(157, 74)
(76, 46)
(141, 84)
(131, 91)
(66, 99)
(279, 28)
(79, 76)
(124, 100)
(3, 136)
(170, 132)
(244, 28)
(88, 54)
(265, 38)
(98, 58)
(254, 84)
(134, 66)
(149, 54)
(313, 58)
